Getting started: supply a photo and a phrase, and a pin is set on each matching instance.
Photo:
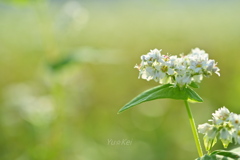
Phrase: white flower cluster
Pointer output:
(225, 126)
(176, 70)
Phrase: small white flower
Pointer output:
(147, 73)
(234, 119)
(197, 78)
(236, 135)
(181, 69)
(221, 115)
(199, 54)
(152, 55)
(170, 71)
(183, 80)
(159, 75)
(204, 128)
(155, 52)
(172, 61)
(198, 66)
(216, 70)
(210, 65)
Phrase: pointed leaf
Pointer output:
(193, 96)
(206, 157)
(215, 157)
(236, 150)
(163, 91)
(194, 85)
(234, 154)
(222, 155)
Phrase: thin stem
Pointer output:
(194, 130)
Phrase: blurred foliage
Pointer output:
(67, 68)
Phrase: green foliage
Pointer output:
(81, 128)
(194, 85)
(61, 63)
(19, 2)
(222, 155)
(164, 91)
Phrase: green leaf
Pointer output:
(215, 157)
(193, 96)
(226, 154)
(222, 155)
(194, 85)
(61, 63)
(234, 154)
(236, 150)
(163, 91)
(207, 157)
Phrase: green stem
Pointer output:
(194, 130)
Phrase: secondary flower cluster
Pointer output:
(225, 126)
(176, 70)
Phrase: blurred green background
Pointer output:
(67, 67)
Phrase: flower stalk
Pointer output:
(194, 129)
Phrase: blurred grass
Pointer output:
(69, 112)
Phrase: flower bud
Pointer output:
(225, 137)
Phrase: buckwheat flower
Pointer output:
(210, 135)
(225, 137)
(181, 65)
(163, 59)
(184, 60)
(172, 61)
(198, 54)
(221, 115)
(165, 80)
(236, 135)
(183, 80)
(139, 67)
(235, 119)
(158, 76)
(152, 55)
(155, 53)
(197, 78)
(163, 70)
(166, 69)
(216, 70)
(147, 73)
(210, 138)
(212, 67)
(181, 69)
(198, 66)
(224, 124)
(204, 128)
(176, 70)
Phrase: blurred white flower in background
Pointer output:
(72, 16)
(35, 108)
